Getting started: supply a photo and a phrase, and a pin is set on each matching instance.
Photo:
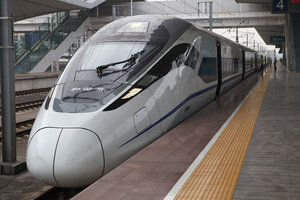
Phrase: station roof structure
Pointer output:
(253, 1)
(30, 8)
(266, 32)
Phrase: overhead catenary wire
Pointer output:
(165, 5)
(222, 7)
(145, 12)
(197, 9)
(185, 3)
(191, 6)
(226, 11)
(149, 4)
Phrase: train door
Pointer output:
(219, 64)
(187, 83)
(256, 61)
(244, 64)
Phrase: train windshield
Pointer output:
(86, 89)
(112, 52)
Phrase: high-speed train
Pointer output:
(130, 83)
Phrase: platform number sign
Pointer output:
(280, 5)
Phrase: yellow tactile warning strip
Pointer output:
(217, 174)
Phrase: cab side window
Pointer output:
(164, 65)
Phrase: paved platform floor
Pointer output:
(271, 169)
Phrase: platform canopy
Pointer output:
(254, 1)
(30, 8)
(271, 30)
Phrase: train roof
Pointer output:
(152, 28)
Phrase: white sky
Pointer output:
(252, 36)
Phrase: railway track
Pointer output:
(26, 104)
(22, 128)
(59, 193)
(32, 92)
(22, 107)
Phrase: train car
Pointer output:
(131, 82)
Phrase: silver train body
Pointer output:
(93, 120)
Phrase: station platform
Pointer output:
(242, 146)
(29, 81)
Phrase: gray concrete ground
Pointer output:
(271, 168)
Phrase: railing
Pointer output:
(28, 41)
(50, 42)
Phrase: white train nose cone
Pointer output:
(79, 158)
(65, 157)
(40, 154)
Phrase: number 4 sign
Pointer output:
(280, 5)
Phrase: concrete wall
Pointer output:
(34, 82)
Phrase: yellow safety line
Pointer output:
(217, 174)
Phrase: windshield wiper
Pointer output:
(129, 63)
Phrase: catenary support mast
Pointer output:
(9, 163)
(7, 82)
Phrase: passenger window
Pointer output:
(231, 60)
(236, 64)
(208, 69)
(192, 58)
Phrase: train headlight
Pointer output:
(123, 99)
(137, 88)
(132, 93)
